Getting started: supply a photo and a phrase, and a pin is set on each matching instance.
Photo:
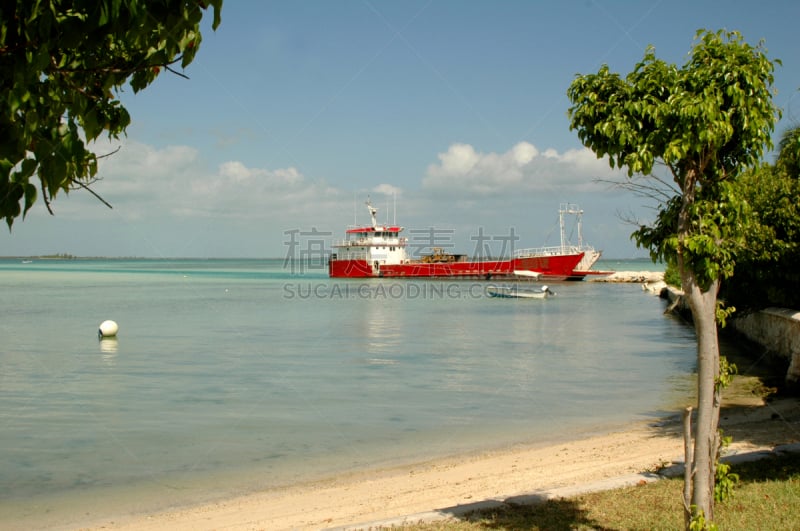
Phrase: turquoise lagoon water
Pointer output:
(234, 375)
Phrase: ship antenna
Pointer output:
(372, 212)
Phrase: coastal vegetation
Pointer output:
(64, 64)
(766, 272)
(58, 256)
(706, 123)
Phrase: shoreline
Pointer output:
(446, 487)
(633, 277)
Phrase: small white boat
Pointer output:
(514, 292)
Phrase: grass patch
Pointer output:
(766, 497)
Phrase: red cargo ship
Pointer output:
(379, 251)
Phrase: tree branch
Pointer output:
(46, 200)
(109, 154)
(167, 68)
(86, 187)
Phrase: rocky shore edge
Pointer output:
(640, 277)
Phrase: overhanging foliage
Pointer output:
(63, 64)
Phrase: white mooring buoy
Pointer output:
(108, 329)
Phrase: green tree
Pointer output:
(706, 122)
(766, 271)
(789, 155)
(63, 64)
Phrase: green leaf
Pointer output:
(30, 196)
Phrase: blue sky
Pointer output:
(297, 111)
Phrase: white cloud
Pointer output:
(523, 153)
(144, 182)
(464, 171)
(387, 189)
(176, 182)
(235, 187)
(136, 179)
(460, 159)
(234, 172)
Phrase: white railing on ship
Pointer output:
(546, 251)
(360, 242)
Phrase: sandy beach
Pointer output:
(444, 488)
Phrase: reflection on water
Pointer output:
(108, 350)
(108, 345)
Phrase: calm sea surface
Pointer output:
(234, 375)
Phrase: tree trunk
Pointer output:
(703, 304)
(688, 466)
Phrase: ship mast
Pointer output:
(372, 213)
(568, 208)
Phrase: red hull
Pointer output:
(349, 269)
(557, 267)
